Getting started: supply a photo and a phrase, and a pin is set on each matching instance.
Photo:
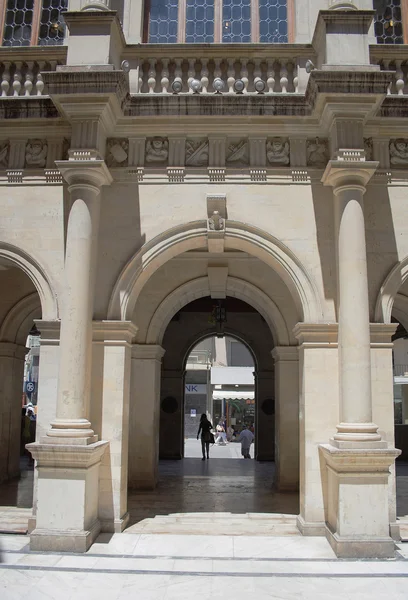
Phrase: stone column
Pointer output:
(286, 417)
(11, 391)
(172, 414)
(358, 459)
(68, 457)
(145, 416)
(265, 415)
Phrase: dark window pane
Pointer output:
(19, 16)
(387, 22)
(273, 20)
(236, 21)
(52, 27)
(163, 21)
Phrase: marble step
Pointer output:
(14, 520)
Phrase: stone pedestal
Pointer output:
(287, 417)
(67, 496)
(357, 522)
(145, 416)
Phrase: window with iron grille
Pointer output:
(33, 22)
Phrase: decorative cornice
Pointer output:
(28, 108)
(317, 334)
(147, 352)
(114, 332)
(339, 173)
(147, 105)
(381, 334)
(358, 460)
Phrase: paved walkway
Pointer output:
(170, 567)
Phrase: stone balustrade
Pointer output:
(20, 69)
(392, 58)
(241, 69)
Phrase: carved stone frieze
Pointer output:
(197, 153)
(36, 153)
(117, 152)
(317, 150)
(277, 151)
(157, 150)
(4, 154)
(238, 153)
(399, 152)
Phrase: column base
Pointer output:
(310, 528)
(356, 500)
(66, 518)
(360, 548)
(63, 540)
(116, 525)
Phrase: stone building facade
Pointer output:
(138, 177)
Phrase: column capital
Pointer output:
(349, 172)
(317, 335)
(147, 351)
(50, 331)
(381, 334)
(114, 332)
(85, 173)
(285, 353)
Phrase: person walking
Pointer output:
(246, 438)
(205, 429)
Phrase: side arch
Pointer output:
(37, 274)
(199, 288)
(238, 236)
(19, 319)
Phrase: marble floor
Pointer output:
(167, 567)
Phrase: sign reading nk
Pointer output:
(195, 388)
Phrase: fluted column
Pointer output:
(85, 180)
(348, 180)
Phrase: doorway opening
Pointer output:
(220, 383)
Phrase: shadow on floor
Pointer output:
(19, 491)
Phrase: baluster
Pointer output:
(28, 83)
(151, 81)
(178, 72)
(5, 80)
(165, 76)
(257, 71)
(284, 79)
(190, 73)
(295, 74)
(386, 65)
(270, 82)
(244, 74)
(140, 76)
(39, 83)
(231, 75)
(17, 79)
(204, 75)
(399, 84)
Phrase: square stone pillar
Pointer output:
(112, 344)
(11, 391)
(318, 417)
(382, 386)
(145, 415)
(172, 414)
(47, 390)
(265, 415)
(286, 417)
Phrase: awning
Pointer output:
(231, 395)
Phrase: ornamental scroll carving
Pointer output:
(399, 151)
(117, 152)
(317, 152)
(277, 151)
(197, 153)
(4, 154)
(157, 150)
(216, 222)
(238, 153)
(36, 153)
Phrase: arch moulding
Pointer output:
(389, 292)
(37, 274)
(199, 288)
(193, 236)
(17, 321)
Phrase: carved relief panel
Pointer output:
(4, 154)
(317, 151)
(157, 151)
(36, 153)
(117, 152)
(399, 152)
(197, 152)
(237, 153)
(278, 151)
